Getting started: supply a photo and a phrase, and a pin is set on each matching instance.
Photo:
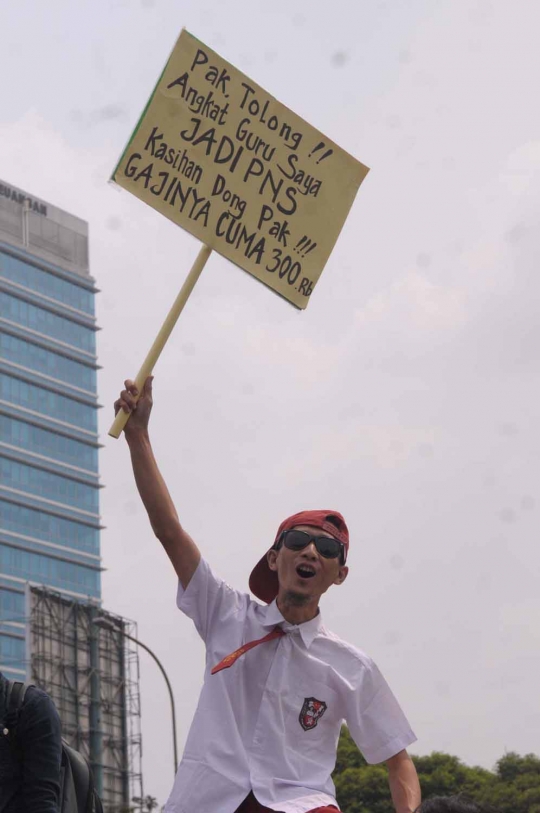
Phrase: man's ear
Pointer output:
(342, 575)
(271, 558)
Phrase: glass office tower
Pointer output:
(49, 482)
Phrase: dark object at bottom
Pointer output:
(77, 791)
(251, 805)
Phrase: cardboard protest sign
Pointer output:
(219, 156)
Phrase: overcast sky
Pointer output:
(405, 396)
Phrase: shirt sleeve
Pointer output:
(210, 602)
(39, 734)
(375, 719)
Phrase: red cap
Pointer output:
(263, 582)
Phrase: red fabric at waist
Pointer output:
(251, 805)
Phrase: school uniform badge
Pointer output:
(311, 712)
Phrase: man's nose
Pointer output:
(311, 551)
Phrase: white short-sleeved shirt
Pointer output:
(271, 722)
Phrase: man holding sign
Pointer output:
(266, 729)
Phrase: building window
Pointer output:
(44, 361)
(12, 651)
(48, 486)
(12, 606)
(30, 522)
(47, 323)
(48, 284)
(46, 570)
(47, 403)
(49, 444)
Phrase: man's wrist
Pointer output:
(137, 438)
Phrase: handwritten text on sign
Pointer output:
(218, 155)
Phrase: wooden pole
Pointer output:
(166, 330)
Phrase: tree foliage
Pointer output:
(513, 787)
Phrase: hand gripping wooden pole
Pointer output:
(166, 330)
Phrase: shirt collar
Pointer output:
(308, 631)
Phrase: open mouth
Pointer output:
(305, 571)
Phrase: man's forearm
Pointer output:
(152, 488)
(179, 546)
(404, 784)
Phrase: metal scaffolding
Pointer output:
(92, 674)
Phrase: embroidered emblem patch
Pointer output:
(311, 713)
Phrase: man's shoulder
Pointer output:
(212, 603)
(36, 695)
(38, 701)
(349, 653)
(29, 697)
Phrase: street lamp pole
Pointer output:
(106, 624)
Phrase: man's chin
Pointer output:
(297, 598)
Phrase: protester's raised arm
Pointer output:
(179, 546)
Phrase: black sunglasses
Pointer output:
(327, 546)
